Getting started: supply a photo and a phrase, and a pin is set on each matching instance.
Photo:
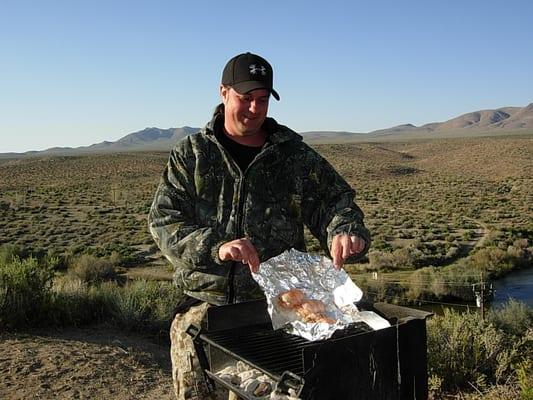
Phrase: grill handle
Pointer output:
(194, 331)
(290, 380)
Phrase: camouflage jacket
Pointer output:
(205, 200)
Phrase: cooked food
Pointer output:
(291, 298)
(307, 316)
(308, 310)
(313, 306)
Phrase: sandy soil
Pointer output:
(91, 363)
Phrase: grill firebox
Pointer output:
(356, 363)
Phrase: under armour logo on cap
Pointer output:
(257, 69)
(246, 72)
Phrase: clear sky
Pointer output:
(74, 73)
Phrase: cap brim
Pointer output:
(245, 87)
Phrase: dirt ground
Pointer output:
(90, 363)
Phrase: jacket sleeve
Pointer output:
(172, 219)
(329, 206)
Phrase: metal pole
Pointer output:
(482, 298)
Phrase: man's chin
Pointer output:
(250, 129)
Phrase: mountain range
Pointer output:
(484, 121)
(501, 121)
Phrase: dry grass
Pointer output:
(440, 198)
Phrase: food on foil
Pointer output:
(308, 315)
(309, 310)
(312, 307)
(308, 297)
(291, 298)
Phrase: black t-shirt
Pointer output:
(243, 155)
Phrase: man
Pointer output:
(238, 193)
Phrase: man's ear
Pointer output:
(224, 93)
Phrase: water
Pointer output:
(517, 285)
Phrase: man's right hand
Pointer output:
(241, 250)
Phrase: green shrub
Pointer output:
(144, 305)
(24, 292)
(459, 284)
(418, 284)
(91, 269)
(380, 260)
(403, 258)
(8, 252)
(493, 260)
(465, 352)
(76, 303)
(53, 260)
(439, 286)
(525, 379)
(118, 251)
(514, 318)
(496, 392)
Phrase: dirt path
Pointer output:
(92, 363)
(483, 232)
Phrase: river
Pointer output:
(517, 285)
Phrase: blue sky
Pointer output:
(74, 73)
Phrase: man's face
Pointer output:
(244, 113)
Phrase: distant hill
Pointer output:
(505, 120)
(155, 137)
(149, 139)
(501, 121)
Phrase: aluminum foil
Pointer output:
(316, 277)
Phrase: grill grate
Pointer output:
(272, 352)
(354, 363)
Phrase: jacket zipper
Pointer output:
(238, 234)
(230, 298)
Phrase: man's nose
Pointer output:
(253, 106)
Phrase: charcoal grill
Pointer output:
(355, 363)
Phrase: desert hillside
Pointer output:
(439, 211)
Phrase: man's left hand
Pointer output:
(344, 246)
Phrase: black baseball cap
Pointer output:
(246, 72)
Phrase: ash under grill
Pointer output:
(355, 363)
